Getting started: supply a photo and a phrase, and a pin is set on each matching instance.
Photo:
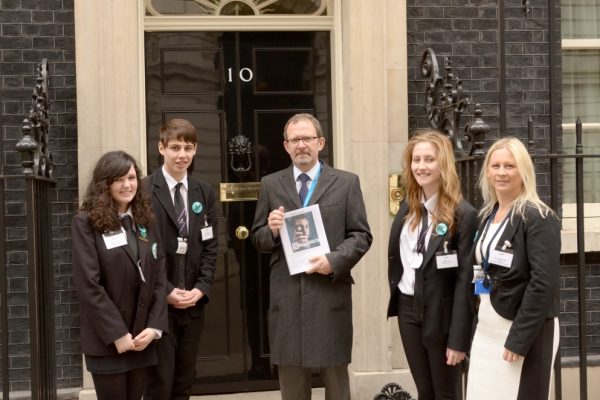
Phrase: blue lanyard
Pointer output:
(486, 259)
(313, 184)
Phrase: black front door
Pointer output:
(242, 85)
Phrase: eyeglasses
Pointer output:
(305, 140)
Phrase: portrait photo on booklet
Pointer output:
(303, 236)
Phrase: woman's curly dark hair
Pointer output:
(98, 202)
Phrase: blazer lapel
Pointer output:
(432, 246)
(288, 184)
(194, 195)
(510, 230)
(143, 250)
(394, 248)
(129, 250)
(161, 191)
(326, 179)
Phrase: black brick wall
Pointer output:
(569, 304)
(29, 31)
(468, 31)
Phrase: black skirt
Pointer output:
(123, 362)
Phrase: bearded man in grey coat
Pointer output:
(310, 314)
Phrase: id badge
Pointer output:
(480, 288)
(446, 260)
(477, 273)
(181, 246)
(114, 239)
(501, 258)
(207, 233)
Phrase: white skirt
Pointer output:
(490, 377)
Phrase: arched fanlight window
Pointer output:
(235, 7)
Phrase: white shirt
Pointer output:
(486, 242)
(312, 173)
(172, 182)
(411, 259)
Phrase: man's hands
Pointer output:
(319, 265)
(275, 221)
(181, 298)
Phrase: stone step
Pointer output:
(317, 394)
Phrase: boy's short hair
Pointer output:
(178, 129)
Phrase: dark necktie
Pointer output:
(127, 223)
(180, 211)
(423, 231)
(303, 187)
(418, 295)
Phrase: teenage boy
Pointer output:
(185, 217)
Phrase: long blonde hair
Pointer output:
(449, 194)
(524, 164)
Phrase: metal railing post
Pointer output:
(3, 299)
(581, 263)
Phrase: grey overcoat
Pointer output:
(310, 316)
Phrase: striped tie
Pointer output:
(180, 211)
(303, 187)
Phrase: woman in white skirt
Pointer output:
(516, 279)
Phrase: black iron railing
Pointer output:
(579, 157)
(446, 100)
(39, 185)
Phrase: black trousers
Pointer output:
(128, 385)
(177, 351)
(435, 379)
(536, 374)
(295, 382)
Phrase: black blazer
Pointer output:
(201, 257)
(443, 297)
(527, 292)
(107, 282)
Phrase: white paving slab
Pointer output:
(317, 394)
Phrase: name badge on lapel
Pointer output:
(501, 258)
(446, 259)
(114, 239)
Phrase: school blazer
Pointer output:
(201, 257)
(527, 293)
(107, 282)
(443, 297)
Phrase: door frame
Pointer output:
(331, 23)
(109, 58)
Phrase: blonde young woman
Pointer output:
(430, 269)
(516, 279)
